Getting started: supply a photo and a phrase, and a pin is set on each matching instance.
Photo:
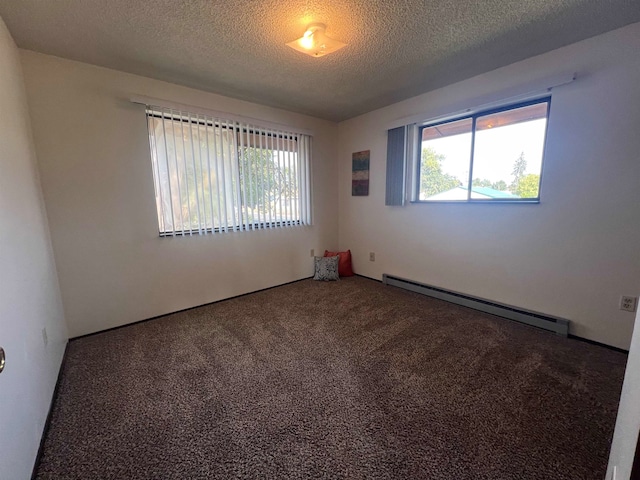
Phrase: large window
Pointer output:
(491, 156)
(214, 175)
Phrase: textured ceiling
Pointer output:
(396, 49)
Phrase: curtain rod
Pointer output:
(527, 91)
(156, 102)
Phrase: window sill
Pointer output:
(471, 202)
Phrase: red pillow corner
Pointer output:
(344, 264)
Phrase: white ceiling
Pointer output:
(396, 49)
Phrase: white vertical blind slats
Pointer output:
(214, 171)
(201, 208)
(215, 175)
(255, 213)
(283, 185)
(252, 179)
(303, 178)
(243, 169)
(178, 205)
(186, 183)
(268, 202)
(292, 205)
(290, 179)
(171, 227)
(156, 175)
(222, 196)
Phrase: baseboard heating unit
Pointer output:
(546, 322)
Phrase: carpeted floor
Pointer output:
(340, 380)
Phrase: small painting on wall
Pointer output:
(360, 174)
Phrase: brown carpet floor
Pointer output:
(340, 380)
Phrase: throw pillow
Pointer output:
(344, 266)
(326, 268)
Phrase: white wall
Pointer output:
(94, 159)
(572, 255)
(29, 292)
(623, 446)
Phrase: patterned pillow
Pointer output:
(326, 268)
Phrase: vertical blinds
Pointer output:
(214, 175)
(396, 166)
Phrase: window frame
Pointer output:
(474, 116)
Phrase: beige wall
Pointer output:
(572, 255)
(93, 154)
(29, 293)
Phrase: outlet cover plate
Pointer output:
(628, 304)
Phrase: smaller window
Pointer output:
(491, 156)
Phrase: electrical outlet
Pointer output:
(45, 337)
(628, 304)
(313, 252)
(372, 257)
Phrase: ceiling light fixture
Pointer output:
(314, 42)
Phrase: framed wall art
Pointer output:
(360, 173)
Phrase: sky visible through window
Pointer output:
(496, 151)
